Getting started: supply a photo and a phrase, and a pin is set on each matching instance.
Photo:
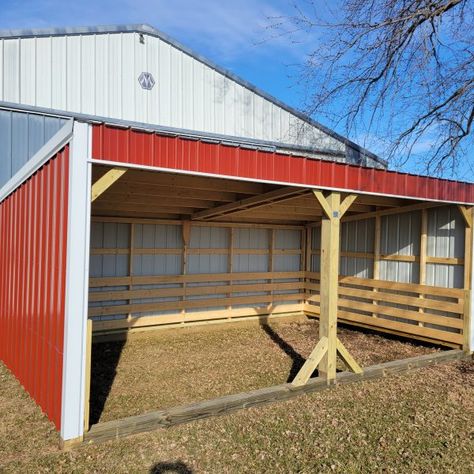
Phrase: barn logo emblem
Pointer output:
(146, 80)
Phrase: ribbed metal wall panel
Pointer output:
(33, 245)
(21, 136)
(177, 153)
(400, 235)
(98, 75)
(445, 239)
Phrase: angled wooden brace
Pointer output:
(104, 183)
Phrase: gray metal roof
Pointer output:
(150, 30)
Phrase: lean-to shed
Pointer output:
(142, 186)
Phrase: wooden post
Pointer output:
(230, 266)
(467, 213)
(186, 235)
(377, 244)
(88, 375)
(423, 253)
(325, 353)
(330, 241)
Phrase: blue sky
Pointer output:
(233, 34)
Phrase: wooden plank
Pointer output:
(348, 360)
(141, 220)
(210, 302)
(402, 327)
(104, 183)
(230, 403)
(197, 278)
(398, 210)
(311, 362)
(395, 286)
(254, 202)
(140, 322)
(117, 295)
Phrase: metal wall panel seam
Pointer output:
(48, 150)
(75, 330)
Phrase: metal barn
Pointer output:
(142, 187)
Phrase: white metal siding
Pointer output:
(98, 75)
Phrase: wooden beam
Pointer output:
(311, 363)
(398, 210)
(466, 212)
(348, 201)
(104, 182)
(468, 217)
(253, 202)
(323, 203)
(347, 358)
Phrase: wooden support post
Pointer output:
(325, 353)
(186, 228)
(104, 183)
(130, 261)
(330, 242)
(377, 244)
(88, 375)
(230, 266)
(467, 213)
(271, 244)
(423, 253)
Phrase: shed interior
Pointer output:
(175, 250)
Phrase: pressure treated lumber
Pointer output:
(219, 406)
(105, 181)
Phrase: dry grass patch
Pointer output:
(157, 370)
(419, 422)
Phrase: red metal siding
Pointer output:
(178, 153)
(33, 241)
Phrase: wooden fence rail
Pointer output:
(420, 311)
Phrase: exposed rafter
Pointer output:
(254, 202)
(104, 182)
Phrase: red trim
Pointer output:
(33, 240)
(178, 153)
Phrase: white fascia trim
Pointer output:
(48, 150)
(264, 181)
(77, 284)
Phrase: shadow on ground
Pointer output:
(296, 357)
(105, 359)
(176, 467)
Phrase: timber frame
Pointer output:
(136, 198)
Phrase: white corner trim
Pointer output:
(49, 149)
(77, 284)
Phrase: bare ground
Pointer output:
(418, 422)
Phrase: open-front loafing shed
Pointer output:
(109, 225)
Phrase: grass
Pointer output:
(418, 422)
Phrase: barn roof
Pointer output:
(150, 30)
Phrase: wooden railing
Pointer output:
(222, 291)
(420, 311)
(429, 312)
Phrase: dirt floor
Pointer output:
(417, 422)
(156, 370)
